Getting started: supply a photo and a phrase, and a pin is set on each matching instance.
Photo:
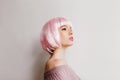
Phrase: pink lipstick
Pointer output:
(71, 38)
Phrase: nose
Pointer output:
(70, 32)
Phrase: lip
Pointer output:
(71, 38)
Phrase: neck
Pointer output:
(59, 53)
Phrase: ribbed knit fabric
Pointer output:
(62, 72)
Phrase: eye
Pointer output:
(63, 28)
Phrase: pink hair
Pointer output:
(49, 37)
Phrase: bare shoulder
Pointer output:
(52, 63)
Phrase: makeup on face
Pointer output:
(71, 38)
(66, 28)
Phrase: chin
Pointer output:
(68, 45)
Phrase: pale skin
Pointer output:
(58, 57)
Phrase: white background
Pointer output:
(96, 50)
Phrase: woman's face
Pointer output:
(66, 35)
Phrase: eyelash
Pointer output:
(64, 29)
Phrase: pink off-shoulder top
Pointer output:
(62, 72)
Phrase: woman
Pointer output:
(56, 37)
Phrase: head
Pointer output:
(56, 33)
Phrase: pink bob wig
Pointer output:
(49, 37)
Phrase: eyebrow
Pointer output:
(65, 26)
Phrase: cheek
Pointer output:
(64, 39)
(63, 36)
